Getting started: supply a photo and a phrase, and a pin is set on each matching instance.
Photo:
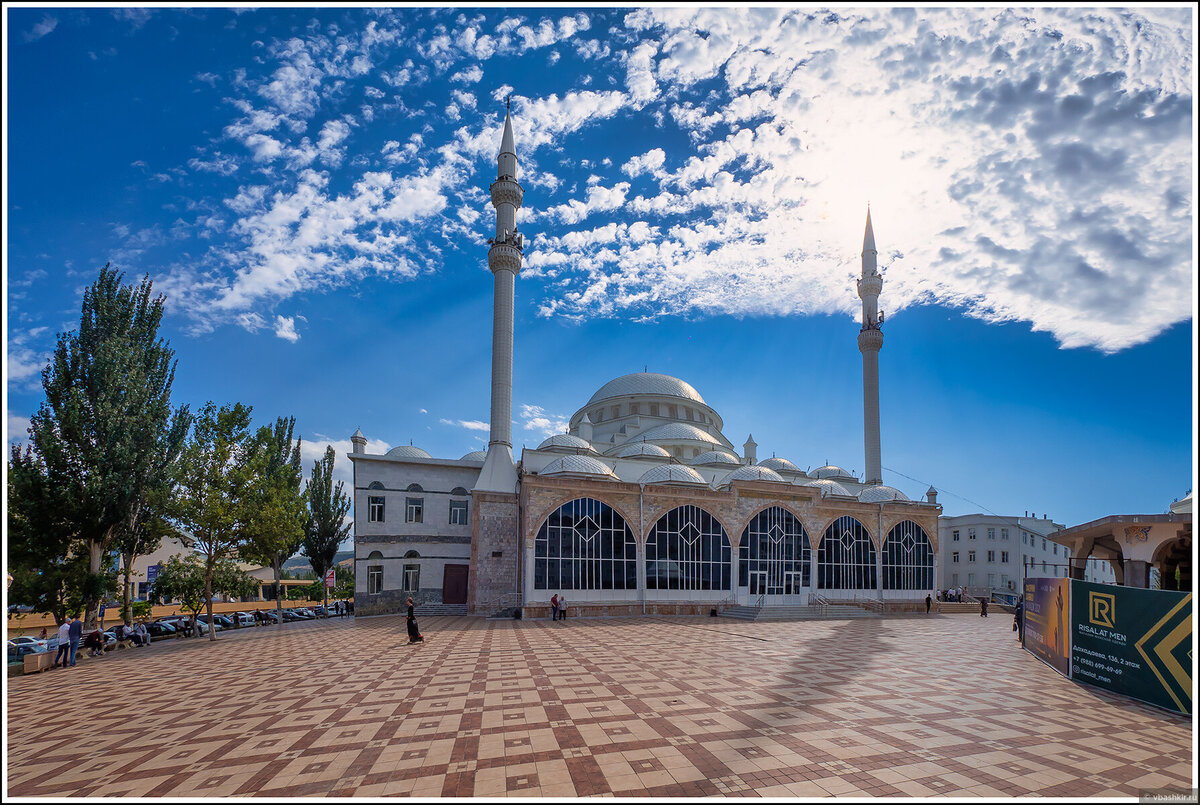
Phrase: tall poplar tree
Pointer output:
(211, 502)
(274, 527)
(327, 526)
(106, 428)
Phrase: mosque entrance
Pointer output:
(774, 559)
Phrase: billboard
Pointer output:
(1133, 641)
(1047, 635)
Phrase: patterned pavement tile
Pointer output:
(625, 707)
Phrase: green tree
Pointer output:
(192, 582)
(211, 500)
(149, 526)
(107, 415)
(274, 528)
(327, 526)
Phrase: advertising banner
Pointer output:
(1047, 635)
(152, 573)
(1133, 641)
(329, 578)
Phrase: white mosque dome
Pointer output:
(673, 474)
(833, 471)
(640, 449)
(827, 487)
(881, 493)
(475, 455)
(717, 458)
(566, 440)
(755, 473)
(647, 383)
(577, 465)
(677, 431)
(781, 465)
(408, 451)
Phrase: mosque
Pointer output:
(643, 506)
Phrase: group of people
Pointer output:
(558, 607)
(953, 595)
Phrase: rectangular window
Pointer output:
(375, 510)
(458, 512)
(954, 556)
(954, 579)
(970, 556)
(1004, 533)
(412, 578)
(991, 556)
(375, 579)
(991, 533)
(414, 510)
(970, 579)
(991, 579)
(1043, 545)
(954, 535)
(1056, 549)
(653, 409)
(1003, 556)
(616, 411)
(970, 533)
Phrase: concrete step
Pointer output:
(790, 613)
(953, 607)
(428, 610)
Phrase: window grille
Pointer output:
(908, 558)
(776, 543)
(688, 549)
(846, 560)
(585, 545)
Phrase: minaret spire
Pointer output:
(499, 473)
(870, 341)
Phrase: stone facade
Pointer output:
(494, 551)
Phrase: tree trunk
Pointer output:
(208, 594)
(277, 566)
(126, 598)
(91, 606)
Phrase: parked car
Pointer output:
(293, 615)
(25, 640)
(270, 616)
(245, 619)
(180, 621)
(321, 612)
(161, 629)
(220, 624)
(18, 650)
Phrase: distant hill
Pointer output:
(299, 562)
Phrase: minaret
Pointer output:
(359, 441)
(870, 341)
(499, 473)
(750, 451)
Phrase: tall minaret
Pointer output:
(870, 341)
(499, 473)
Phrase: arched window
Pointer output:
(414, 488)
(688, 550)
(458, 490)
(846, 560)
(375, 555)
(585, 545)
(907, 558)
(412, 555)
(375, 485)
(775, 554)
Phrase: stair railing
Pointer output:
(506, 601)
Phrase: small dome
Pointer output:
(718, 458)
(751, 474)
(781, 465)
(880, 494)
(834, 472)
(566, 440)
(648, 383)
(578, 465)
(475, 455)
(677, 431)
(673, 474)
(408, 451)
(640, 449)
(827, 487)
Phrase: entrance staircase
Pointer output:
(957, 607)
(429, 610)
(797, 613)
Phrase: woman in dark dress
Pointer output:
(414, 635)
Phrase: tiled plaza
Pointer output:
(928, 706)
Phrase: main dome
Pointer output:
(649, 383)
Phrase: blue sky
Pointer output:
(309, 189)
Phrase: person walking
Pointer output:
(1019, 621)
(75, 634)
(928, 603)
(64, 644)
(554, 607)
(414, 634)
(983, 607)
(562, 607)
(43, 634)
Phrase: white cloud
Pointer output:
(471, 75)
(18, 428)
(469, 424)
(42, 28)
(534, 418)
(25, 361)
(285, 328)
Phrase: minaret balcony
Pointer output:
(870, 338)
(870, 285)
(504, 255)
(507, 191)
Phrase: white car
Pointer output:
(244, 619)
(32, 644)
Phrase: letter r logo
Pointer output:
(1102, 609)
